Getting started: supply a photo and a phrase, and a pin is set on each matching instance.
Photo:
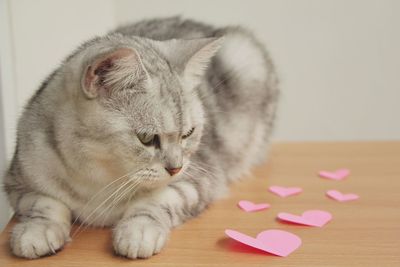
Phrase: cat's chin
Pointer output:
(157, 183)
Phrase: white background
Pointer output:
(339, 60)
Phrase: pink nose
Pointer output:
(173, 171)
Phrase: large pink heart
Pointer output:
(276, 242)
(285, 191)
(310, 217)
(336, 195)
(336, 175)
(250, 206)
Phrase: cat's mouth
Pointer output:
(155, 176)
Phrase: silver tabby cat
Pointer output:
(140, 130)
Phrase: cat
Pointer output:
(140, 129)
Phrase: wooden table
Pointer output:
(365, 232)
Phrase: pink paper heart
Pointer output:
(276, 242)
(336, 175)
(285, 191)
(250, 206)
(310, 217)
(336, 195)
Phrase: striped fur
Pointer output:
(79, 157)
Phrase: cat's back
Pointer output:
(168, 28)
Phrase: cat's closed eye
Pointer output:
(188, 133)
(147, 139)
(152, 139)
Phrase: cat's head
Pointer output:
(142, 105)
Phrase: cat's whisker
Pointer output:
(99, 206)
(202, 170)
(134, 191)
(117, 199)
(84, 222)
(108, 209)
(130, 190)
(203, 167)
(195, 175)
(99, 192)
(190, 175)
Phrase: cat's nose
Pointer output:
(173, 171)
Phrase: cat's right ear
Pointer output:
(115, 70)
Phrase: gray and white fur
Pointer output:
(140, 130)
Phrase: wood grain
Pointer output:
(365, 232)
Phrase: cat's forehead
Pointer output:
(163, 112)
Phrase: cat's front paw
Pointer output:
(139, 237)
(38, 237)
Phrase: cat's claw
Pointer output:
(36, 238)
(139, 237)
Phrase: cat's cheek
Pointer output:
(188, 152)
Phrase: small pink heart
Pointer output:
(336, 195)
(250, 206)
(276, 242)
(336, 175)
(285, 191)
(310, 217)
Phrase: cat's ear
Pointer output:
(115, 70)
(197, 64)
(190, 57)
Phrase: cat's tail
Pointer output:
(244, 56)
(245, 80)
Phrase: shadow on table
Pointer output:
(232, 245)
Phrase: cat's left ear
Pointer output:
(115, 70)
(191, 57)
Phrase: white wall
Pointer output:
(46, 31)
(7, 102)
(339, 60)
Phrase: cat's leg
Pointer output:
(44, 226)
(145, 226)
